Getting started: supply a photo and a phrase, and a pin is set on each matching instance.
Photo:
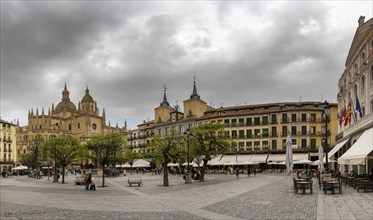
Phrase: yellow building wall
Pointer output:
(194, 108)
(162, 114)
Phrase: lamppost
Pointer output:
(55, 176)
(326, 114)
(188, 175)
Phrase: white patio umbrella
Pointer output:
(231, 163)
(289, 159)
(321, 156)
(303, 162)
(273, 163)
(20, 168)
(289, 155)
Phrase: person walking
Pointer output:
(237, 172)
(88, 181)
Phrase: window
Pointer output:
(265, 132)
(304, 130)
(160, 131)
(293, 117)
(241, 120)
(226, 122)
(167, 130)
(362, 85)
(274, 144)
(249, 121)
(181, 128)
(313, 143)
(293, 130)
(234, 121)
(284, 131)
(274, 119)
(249, 133)
(241, 145)
(304, 143)
(78, 125)
(265, 144)
(256, 144)
(265, 120)
(284, 143)
(313, 117)
(234, 134)
(294, 141)
(241, 134)
(274, 132)
(256, 132)
(313, 130)
(304, 117)
(284, 118)
(249, 144)
(257, 121)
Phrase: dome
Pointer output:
(65, 103)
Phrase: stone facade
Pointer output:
(82, 122)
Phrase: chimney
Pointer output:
(361, 20)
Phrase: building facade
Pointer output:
(355, 96)
(7, 145)
(253, 128)
(82, 122)
(264, 128)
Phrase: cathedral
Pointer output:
(82, 122)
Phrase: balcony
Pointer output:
(8, 140)
(274, 122)
(362, 123)
(6, 161)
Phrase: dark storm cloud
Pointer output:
(240, 52)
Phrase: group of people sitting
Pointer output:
(90, 182)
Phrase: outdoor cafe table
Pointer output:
(303, 185)
(332, 185)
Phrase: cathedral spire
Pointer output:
(65, 94)
(194, 94)
(125, 124)
(165, 102)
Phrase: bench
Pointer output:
(79, 180)
(135, 180)
(364, 185)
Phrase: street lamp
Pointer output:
(326, 115)
(188, 175)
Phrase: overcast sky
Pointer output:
(240, 52)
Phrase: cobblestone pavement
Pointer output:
(265, 196)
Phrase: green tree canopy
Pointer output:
(166, 148)
(208, 141)
(64, 149)
(104, 148)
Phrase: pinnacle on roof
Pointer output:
(165, 102)
(194, 94)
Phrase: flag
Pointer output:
(342, 116)
(289, 155)
(348, 114)
(358, 108)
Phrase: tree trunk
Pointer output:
(131, 169)
(103, 175)
(203, 168)
(63, 174)
(165, 172)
